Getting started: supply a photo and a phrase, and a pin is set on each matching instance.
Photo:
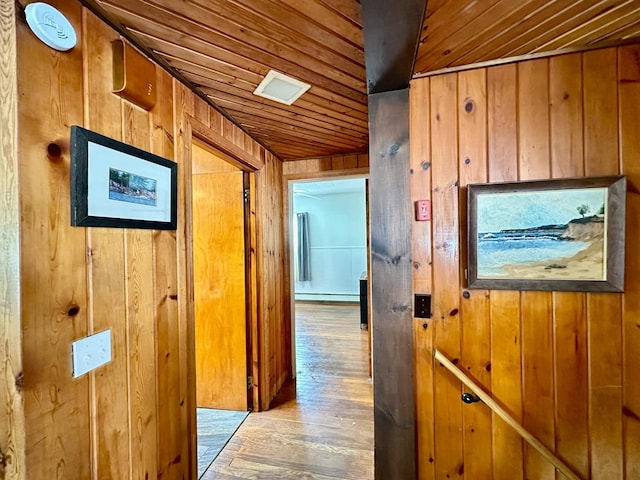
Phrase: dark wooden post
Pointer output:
(391, 33)
(390, 207)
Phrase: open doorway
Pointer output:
(220, 299)
(328, 244)
(328, 239)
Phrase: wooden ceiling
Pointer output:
(225, 47)
(465, 32)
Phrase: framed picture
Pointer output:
(116, 185)
(564, 235)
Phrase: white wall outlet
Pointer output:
(91, 352)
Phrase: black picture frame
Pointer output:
(581, 254)
(117, 185)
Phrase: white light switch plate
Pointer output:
(91, 352)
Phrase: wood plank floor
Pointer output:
(321, 425)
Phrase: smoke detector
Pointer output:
(50, 26)
(281, 88)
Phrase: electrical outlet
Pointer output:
(91, 352)
(422, 306)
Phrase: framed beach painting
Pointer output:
(563, 235)
(117, 185)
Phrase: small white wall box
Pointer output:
(91, 352)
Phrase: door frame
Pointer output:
(287, 182)
(192, 128)
(201, 144)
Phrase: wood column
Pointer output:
(390, 207)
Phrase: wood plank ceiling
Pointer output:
(225, 47)
(465, 32)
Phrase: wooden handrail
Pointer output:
(502, 413)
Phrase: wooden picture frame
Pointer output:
(117, 185)
(559, 235)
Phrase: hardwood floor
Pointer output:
(321, 425)
(214, 428)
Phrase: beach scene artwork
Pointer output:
(549, 234)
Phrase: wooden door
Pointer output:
(219, 282)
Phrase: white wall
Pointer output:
(337, 232)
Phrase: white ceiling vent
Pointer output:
(280, 88)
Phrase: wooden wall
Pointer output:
(135, 417)
(12, 439)
(563, 364)
(274, 327)
(339, 165)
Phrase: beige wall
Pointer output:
(563, 364)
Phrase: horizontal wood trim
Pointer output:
(238, 156)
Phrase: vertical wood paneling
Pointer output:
(446, 274)
(506, 382)
(274, 313)
(629, 94)
(350, 161)
(394, 406)
(255, 369)
(134, 417)
(474, 304)
(564, 363)
(570, 316)
(53, 275)
(537, 334)
(326, 166)
(600, 111)
(201, 111)
(604, 311)
(140, 323)
(419, 124)
(506, 338)
(166, 301)
(106, 272)
(186, 329)
(12, 442)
